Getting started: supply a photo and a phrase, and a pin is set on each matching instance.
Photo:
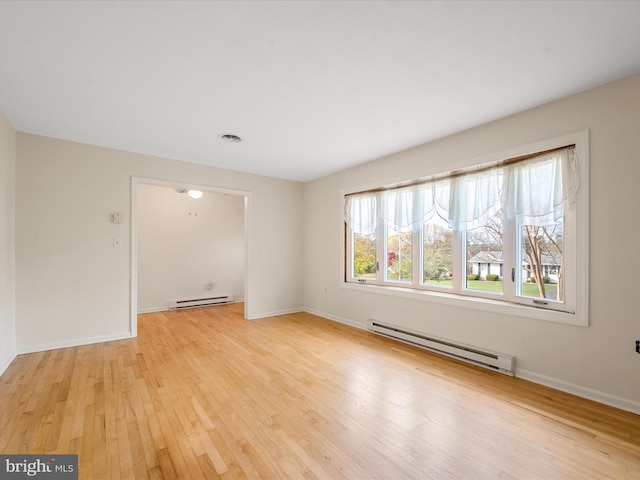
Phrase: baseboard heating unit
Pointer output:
(200, 302)
(494, 361)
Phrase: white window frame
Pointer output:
(576, 233)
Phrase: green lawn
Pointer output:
(528, 289)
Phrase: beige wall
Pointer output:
(7, 232)
(598, 361)
(72, 285)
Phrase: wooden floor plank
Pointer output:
(203, 393)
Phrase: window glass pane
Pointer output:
(437, 264)
(484, 260)
(541, 257)
(399, 268)
(364, 255)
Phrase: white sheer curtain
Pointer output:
(534, 192)
(436, 201)
(539, 191)
(407, 208)
(361, 212)
(403, 208)
(475, 198)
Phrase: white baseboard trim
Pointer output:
(167, 309)
(588, 393)
(152, 310)
(6, 364)
(334, 318)
(275, 313)
(584, 392)
(72, 343)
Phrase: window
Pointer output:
(506, 230)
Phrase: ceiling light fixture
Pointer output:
(230, 137)
(195, 193)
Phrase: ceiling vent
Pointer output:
(230, 137)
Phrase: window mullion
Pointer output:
(349, 248)
(416, 256)
(458, 261)
(511, 274)
(381, 249)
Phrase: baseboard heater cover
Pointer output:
(494, 361)
(200, 302)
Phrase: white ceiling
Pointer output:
(311, 87)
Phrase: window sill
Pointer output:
(473, 303)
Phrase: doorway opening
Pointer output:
(187, 246)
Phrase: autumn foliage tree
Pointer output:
(364, 255)
(399, 260)
(437, 252)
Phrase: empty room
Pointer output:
(319, 239)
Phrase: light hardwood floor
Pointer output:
(203, 393)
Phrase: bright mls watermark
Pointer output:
(51, 467)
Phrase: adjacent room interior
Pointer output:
(190, 247)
